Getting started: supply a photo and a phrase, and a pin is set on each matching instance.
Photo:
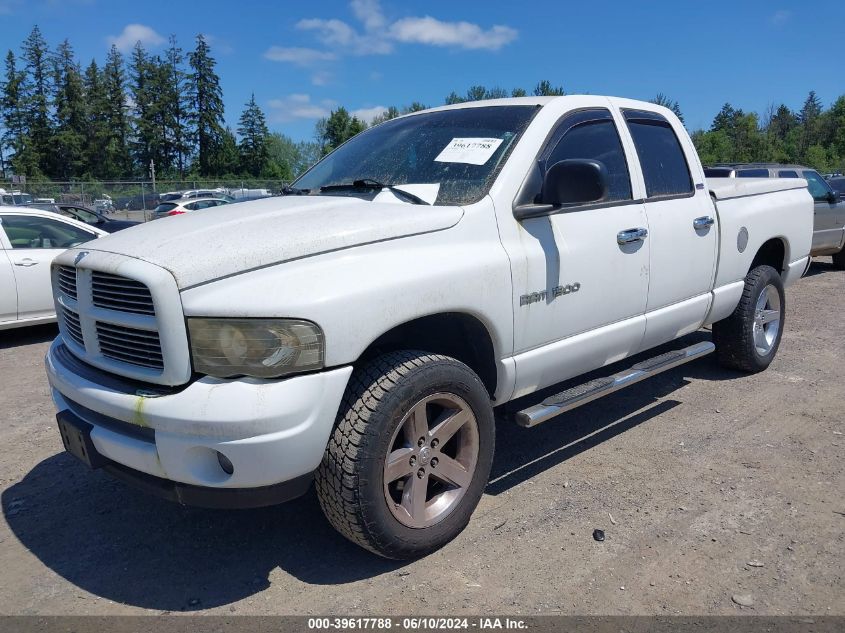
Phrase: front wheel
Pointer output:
(410, 454)
(749, 339)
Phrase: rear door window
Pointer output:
(752, 173)
(787, 173)
(662, 158)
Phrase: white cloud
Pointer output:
(467, 35)
(8, 7)
(780, 17)
(321, 78)
(298, 56)
(218, 45)
(369, 13)
(298, 106)
(368, 114)
(339, 34)
(133, 33)
(378, 36)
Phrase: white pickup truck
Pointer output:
(361, 330)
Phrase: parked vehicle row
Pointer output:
(86, 215)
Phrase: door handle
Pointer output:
(703, 222)
(631, 235)
(26, 262)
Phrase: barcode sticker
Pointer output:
(472, 151)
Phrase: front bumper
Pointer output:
(272, 431)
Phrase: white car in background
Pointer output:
(185, 205)
(29, 240)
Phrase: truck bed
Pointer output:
(726, 188)
(751, 209)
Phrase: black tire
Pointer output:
(350, 481)
(839, 260)
(734, 336)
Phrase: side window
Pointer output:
(661, 156)
(592, 134)
(37, 232)
(192, 206)
(787, 173)
(752, 173)
(817, 186)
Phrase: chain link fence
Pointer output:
(122, 197)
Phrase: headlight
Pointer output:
(263, 348)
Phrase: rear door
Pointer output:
(35, 241)
(682, 227)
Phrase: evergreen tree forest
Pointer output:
(61, 120)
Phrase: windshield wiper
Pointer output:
(369, 183)
(293, 191)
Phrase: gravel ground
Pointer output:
(713, 489)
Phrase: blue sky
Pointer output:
(304, 58)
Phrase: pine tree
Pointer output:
(226, 160)
(37, 94)
(544, 88)
(144, 132)
(665, 101)
(177, 106)
(98, 134)
(116, 163)
(725, 120)
(337, 129)
(808, 117)
(14, 118)
(207, 109)
(782, 122)
(252, 128)
(69, 133)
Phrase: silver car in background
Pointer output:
(829, 222)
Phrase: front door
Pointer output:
(828, 217)
(580, 298)
(8, 290)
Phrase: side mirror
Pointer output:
(574, 181)
(832, 197)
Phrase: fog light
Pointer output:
(225, 463)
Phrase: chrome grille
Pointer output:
(67, 281)
(130, 345)
(119, 293)
(72, 326)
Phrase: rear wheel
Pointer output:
(749, 339)
(410, 454)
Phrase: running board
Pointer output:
(599, 387)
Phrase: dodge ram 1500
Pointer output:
(360, 331)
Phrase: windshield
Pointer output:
(83, 215)
(461, 151)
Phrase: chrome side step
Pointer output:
(594, 389)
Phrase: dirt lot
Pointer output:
(719, 485)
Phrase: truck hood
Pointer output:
(208, 244)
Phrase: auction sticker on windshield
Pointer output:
(472, 151)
